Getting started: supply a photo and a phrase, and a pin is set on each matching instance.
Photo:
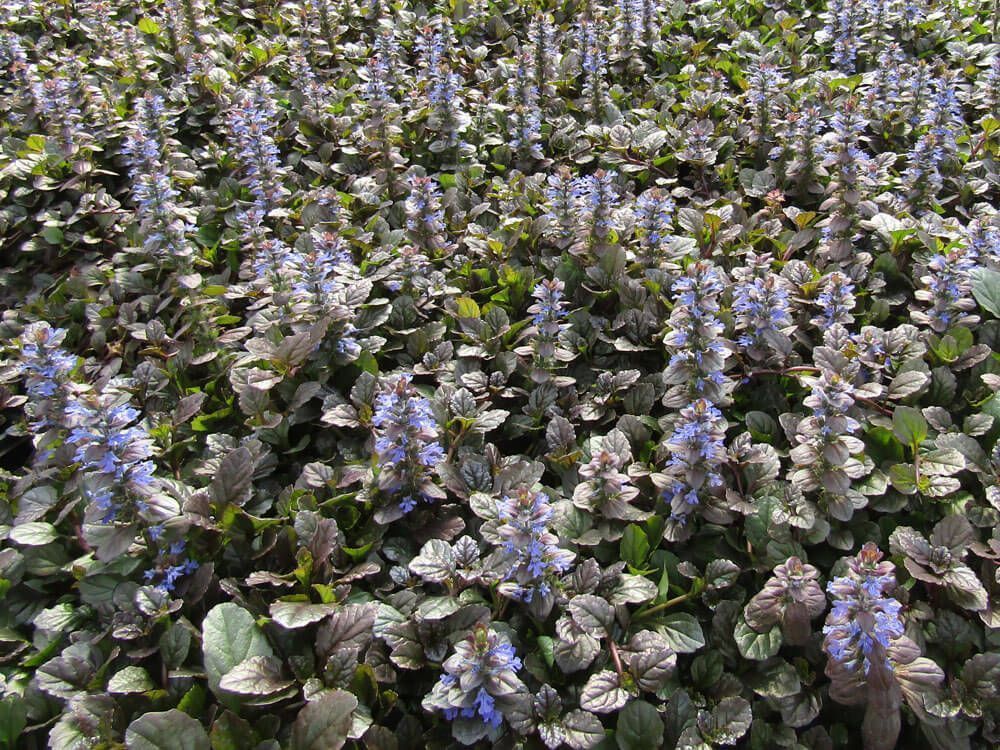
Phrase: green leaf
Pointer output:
(324, 723)
(754, 645)
(53, 235)
(130, 680)
(229, 637)
(258, 675)
(166, 730)
(909, 426)
(682, 631)
(13, 719)
(639, 727)
(903, 478)
(466, 307)
(634, 546)
(230, 732)
(294, 615)
(36, 142)
(174, 645)
(149, 26)
(986, 290)
(34, 534)
(546, 648)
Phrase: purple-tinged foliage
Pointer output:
(791, 598)
(393, 345)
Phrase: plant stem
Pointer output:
(665, 605)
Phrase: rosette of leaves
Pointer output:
(723, 724)
(934, 467)
(606, 492)
(973, 695)
(870, 661)
(453, 567)
(939, 560)
(543, 713)
(641, 664)
(790, 598)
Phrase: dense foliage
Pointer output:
(397, 375)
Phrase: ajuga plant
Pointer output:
(495, 374)
(379, 131)
(533, 557)
(848, 166)
(479, 682)
(547, 323)
(406, 446)
(870, 659)
(654, 213)
(698, 352)
(791, 598)
(597, 201)
(593, 65)
(526, 118)
(252, 124)
(163, 222)
(543, 51)
(425, 222)
(765, 82)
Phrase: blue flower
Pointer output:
(406, 443)
(252, 122)
(697, 353)
(835, 301)
(533, 552)
(170, 565)
(483, 668)
(46, 367)
(596, 202)
(760, 303)
(425, 221)
(864, 619)
(697, 453)
(112, 450)
(654, 213)
(947, 286)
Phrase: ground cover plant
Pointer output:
(502, 374)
